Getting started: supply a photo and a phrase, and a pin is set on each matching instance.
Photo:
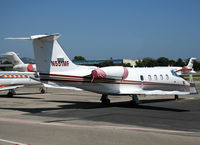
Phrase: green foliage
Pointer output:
(162, 61)
(146, 62)
(172, 62)
(106, 63)
(126, 65)
(180, 62)
(7, 62)
(79, 58)
(196, 65)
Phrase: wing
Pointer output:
(60, 87)
(160, 92)
(9, 87)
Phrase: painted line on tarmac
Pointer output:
(12, 142)
(93, 126)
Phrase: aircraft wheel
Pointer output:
(105, 100)
(135, 101)
(176, 97)
(42, 91)
(10, 94)
(132, 103)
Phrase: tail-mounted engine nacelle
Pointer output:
(25, 68)
(111, 72)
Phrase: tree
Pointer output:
(7, 62)
(126, 65)
(179, 62)
(172, 62)
(162, 61)
(196, 65)
(146, 62)
(139, 63)
(79, 58)
(106, 63)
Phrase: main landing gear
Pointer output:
(105, 100)
(42, 90)
(11, 93)
(135, 101)
(176, 97)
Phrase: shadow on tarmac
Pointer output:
(159, 113)
(95, 105)
(20, 97)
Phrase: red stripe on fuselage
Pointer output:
(129, 82)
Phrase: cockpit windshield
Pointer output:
(174, 73)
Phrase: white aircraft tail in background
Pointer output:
(57, 69)
(18, 64)
(180, 70)
(187, 68)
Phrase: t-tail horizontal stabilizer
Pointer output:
(34, 37)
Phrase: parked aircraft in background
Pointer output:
(180, 70)
(26, 75)
(57, 69)
(18, 64)
(12, 80)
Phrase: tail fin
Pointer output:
(190, 63)
(13, 57)
(49, 55)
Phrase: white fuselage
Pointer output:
(138, 78)
(18, 78)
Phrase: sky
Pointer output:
(101, 29)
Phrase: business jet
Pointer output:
(18, 64)
(12, 80)
(55, 68)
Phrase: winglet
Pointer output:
(193, 89)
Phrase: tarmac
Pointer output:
(66, 117)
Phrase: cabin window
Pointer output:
(161, 77)
(149, 77)
(141, 77)
(167, 77)
(155, 77)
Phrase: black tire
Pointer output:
(10, 94)
(133, 104)
(42, 91)
(176, 97)
(105, 101)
